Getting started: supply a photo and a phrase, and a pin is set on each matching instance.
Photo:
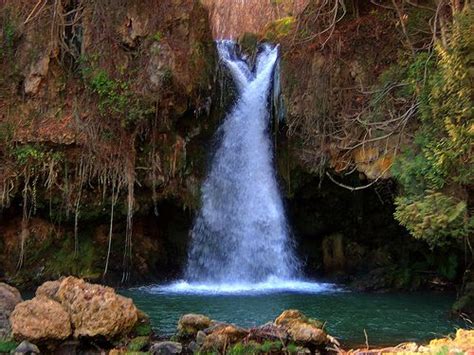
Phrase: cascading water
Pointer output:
(241, 234)
(240, 238)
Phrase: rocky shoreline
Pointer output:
(71, 316)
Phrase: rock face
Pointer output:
(40, 319)
(231, 19)
(9, 298)
(165, 64)
(72, 306)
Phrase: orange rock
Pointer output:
(96, 310)
(303, 330)
(40, 319)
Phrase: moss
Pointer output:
(7, 346)
(271, 346)
(292, 348)
(248, 41)
(143, 329)
(242, 349)
(280, 28)
(138, 343)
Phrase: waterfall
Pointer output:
(240, 235)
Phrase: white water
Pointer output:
(272, 285)
(240, 235)
(240, 240)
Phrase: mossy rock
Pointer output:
(143, 327)
(138, 343)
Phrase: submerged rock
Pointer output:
(40, 319)
(9, 298)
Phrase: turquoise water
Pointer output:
(388, 318)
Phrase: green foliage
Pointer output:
(434, 217)
(7, 38)
(33, 155)
(292, 348)
(116, 98)
(441, 158)
(242, 349)
(157, 36)
(28, 154)
(138, 343)
(280, 28)
(143, 329)
(270, 346)
(7, 346)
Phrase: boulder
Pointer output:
(190, 324)
(94, 310)
(268, 332)
(221, 336)
(302, 330)
(71, 306)
(166, 348)
(40, 319)
(48, 289)
(9, 298)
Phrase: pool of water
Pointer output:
(388, 318)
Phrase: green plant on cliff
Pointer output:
(438, 168)
(280, 28)
(116, 98)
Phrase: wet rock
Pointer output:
(9, 298)
(26, 347)
(40, 319)
(193, 347)
(302, 330)
(96, 310)
(166, 348)
(200, 337)
(191, 323)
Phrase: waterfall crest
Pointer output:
(240, 235)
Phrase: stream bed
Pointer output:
(388, 318)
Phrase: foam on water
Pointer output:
(272, 285)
